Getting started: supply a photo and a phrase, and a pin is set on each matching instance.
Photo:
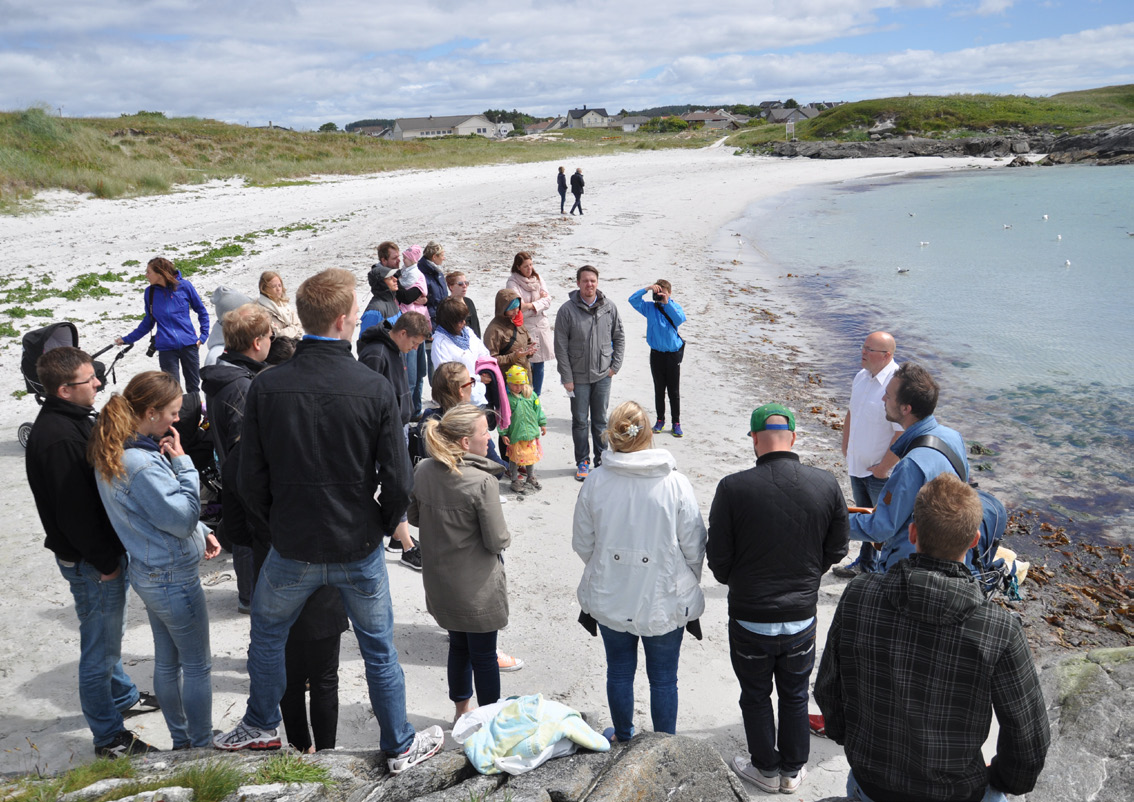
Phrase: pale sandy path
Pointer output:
(648, 215)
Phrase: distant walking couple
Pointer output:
(576, 189)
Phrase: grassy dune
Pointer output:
(149, 154)
(960, 115)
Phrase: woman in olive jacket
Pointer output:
(456, 505)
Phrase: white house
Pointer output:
(503, 129)
(631, 124)
(460, 125)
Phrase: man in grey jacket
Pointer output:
(589, 345)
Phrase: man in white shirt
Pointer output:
(867, 437)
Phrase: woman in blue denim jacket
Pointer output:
(150, 490)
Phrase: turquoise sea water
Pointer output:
(1035, 356)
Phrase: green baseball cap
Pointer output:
(760, 417)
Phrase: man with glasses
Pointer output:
(86, 548)
(867, 437)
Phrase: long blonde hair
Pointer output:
(267, 276)
(628, 428)
(443, 436)
(120, 418)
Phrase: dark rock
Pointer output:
(1020, 161)
(566, 779)
(1113, 146)
(439, 773)
(666, 768)
(1091, 705)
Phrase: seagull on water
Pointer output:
(1006, 226)
(906, 269)
(1058, 237)
(1067, 263)
(923, 244)
(1045, 217)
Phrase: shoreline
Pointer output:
(661, 213)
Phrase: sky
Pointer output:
(300, 63)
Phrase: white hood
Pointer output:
(651, 462)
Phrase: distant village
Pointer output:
(770, 111)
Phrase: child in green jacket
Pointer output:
(527, 425)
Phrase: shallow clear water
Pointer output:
(1035, 357)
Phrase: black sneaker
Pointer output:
(394, 546)
(412, 558)
(147, 703)
(125, 744)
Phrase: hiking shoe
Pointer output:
(582, 470)
(394, 546)
(517, 485)
(677, 430)
(506, 662)
(765, 782)
(659, 425)
(425, 745)
(817, 725)
(147, 703)
(245, 737)
(125, 744)
(849, 571)
(411, 558)
(789, 785)
(534, 484)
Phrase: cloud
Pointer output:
(300, 63)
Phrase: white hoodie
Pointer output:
(640, 532)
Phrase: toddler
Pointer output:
(527, 426)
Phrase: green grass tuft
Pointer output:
(289, 767)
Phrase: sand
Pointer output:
(648, 215)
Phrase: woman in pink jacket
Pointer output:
(535, 300)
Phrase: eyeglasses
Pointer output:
(469, 383)
(461, 283)
(84, 381)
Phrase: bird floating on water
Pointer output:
(1067, 263)
(1006, 226)
(1060, 236)
(923, 244)
(911, 214)
(1045, 217)
(903, 270)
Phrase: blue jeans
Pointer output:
(789, 659)
(592, 400)
(183, 661)
(415, 362)
(856, 794)
(281, 592)
(662, 652)
(562, 203)
(104, 687)
(190, 360)
(472, 658)
(537, 377)
(866, 490)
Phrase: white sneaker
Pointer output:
(426, 744)
(789, 785)
(769, 783)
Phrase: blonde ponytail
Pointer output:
(443, 437)
(120, 418)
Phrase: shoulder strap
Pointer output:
(661, 308)
(937, 444)
(150, 301)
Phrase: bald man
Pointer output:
(774, 530)
(867, 437)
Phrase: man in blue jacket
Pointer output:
(910, 399)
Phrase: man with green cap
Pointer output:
(774, 530)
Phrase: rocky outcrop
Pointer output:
(1090, 701)
(992, 146)
(651, 768)
(1113, 146)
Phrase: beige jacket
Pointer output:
(285, 322)
(462, 537)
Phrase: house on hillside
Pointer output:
(631, 124)
(427, 127)
(782, 116)
(587, 118)
(810, 111)
(711, 119)
(376, 131)
(503, 129)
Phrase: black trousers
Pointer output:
(666, 371)
(578, 204)
(314, 663)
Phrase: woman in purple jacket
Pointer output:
(168, 300)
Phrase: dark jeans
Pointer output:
(416, 374)
(314, 663)
(865, 490)
(190, 360)
(757, 659)
(590, 401)
(578, 204)
(662, 653)
(472, 659)
(666, 370)
(562, 202)
(537, 377)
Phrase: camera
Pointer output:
(153, 347)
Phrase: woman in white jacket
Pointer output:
(639, 530)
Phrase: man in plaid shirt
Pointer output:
(916, 662)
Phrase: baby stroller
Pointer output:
(38, 342)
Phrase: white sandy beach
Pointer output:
(648, 215)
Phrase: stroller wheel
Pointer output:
(24, 434)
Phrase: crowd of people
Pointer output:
(328, 457)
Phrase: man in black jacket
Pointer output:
(86, 548)
(247, 341)
(314, 429)
(774, 530)
(577, 185)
